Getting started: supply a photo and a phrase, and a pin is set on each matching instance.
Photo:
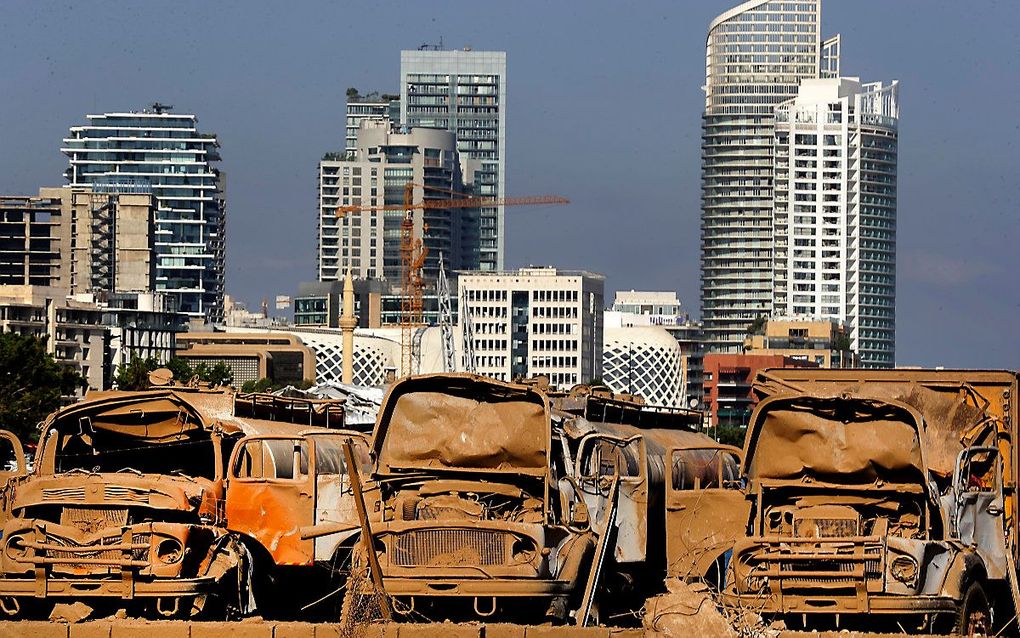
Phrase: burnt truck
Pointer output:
(129, 499)
(505, 500)
(469, 518)
(881, 496)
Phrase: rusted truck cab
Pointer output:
(851, 523)
(289, 501)
(468, 512)
(122, 505)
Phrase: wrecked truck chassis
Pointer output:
(793, 579)
(144, 560)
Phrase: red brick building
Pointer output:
(728, 379)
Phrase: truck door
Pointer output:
(12, 467)
(334, 502)
(977, 489)
(271, 495)
(706, 510)
(599, 456)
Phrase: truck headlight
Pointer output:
(15, 548)
(904, 569)
(169, 551)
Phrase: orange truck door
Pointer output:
(271, 495)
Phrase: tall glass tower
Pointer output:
(756, 56)
(465, 91)
(162, 153)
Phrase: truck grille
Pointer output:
(121, 493)
(825, 528)
(70, 556)
(64, 494)
(93, 519)
(450, 547)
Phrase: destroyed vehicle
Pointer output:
(854, 521)
(123, 504)
(289, 502)
(626, 461)
(470, 519)
(129, 503)
(971, 419)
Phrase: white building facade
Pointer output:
(646, 361)
(464, 91)
(535, 321)
(835, 210)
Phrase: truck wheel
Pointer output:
(975, 615)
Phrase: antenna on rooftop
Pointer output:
(432, 47)
(157, 107)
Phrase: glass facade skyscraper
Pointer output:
(465, 92)
(756, 56)
(163, 153)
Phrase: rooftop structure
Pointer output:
(369, 106)
(824, 342)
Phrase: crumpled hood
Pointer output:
(835, 439)
(461, 422)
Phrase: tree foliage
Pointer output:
(31, 384)
(135, 375)
(731, 435)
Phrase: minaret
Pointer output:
(347, 323)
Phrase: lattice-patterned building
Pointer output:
(644, 360)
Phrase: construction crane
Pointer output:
(413, 251)
(445, 318)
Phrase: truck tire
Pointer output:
(975, 614)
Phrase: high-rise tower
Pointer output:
(756, 56)
(161, 153)
(835, 214)
(464, 91)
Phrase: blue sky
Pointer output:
(604, 107)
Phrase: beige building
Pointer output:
(278, 356)
(78, 240)
(73, 330)
(823, 342)
(373, 175)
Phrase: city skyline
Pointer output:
(956, 296)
